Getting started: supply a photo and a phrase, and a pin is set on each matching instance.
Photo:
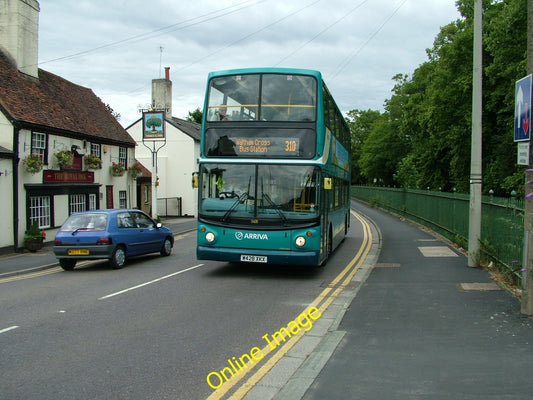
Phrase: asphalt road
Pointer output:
(153, 330)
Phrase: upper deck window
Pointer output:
(266, 97)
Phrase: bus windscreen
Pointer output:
(268, 192)
(267, 97)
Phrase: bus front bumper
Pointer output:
(272, 256)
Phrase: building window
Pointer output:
(123, 156)
(39, 211)
(76, 203)
(38, 145)
(92, 201)
(96, 150)
(122, 199)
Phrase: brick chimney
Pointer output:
(19, 32)
(162, 94)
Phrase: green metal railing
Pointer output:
(502, 226)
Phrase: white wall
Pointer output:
(6, 200)
(61, 210)
(176, 163)
(6, 133)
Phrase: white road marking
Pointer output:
(437, 251)
(9, 329)
(149, 283)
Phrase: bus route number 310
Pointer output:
(291, 146)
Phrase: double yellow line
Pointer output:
(43, 272)
(322, 302)
(53, 270)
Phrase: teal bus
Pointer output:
(274, 168)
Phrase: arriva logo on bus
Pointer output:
(252, 236)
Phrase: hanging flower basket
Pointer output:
(33, 164)
(92, 161)
(135, 170)
(117, 169)
(64, 158)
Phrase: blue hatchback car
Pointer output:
(110, 234)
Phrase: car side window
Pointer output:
(142, 220)
(124, 220)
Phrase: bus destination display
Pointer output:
(267, 146)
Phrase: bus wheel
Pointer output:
(329, 248)
(346, 224)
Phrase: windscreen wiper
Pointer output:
(273, 205)
(79, 229)
(241, 198)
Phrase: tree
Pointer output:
(195, 116)
(381, 152)
(431, 110)
(360, 124)
(153, 122)
(406, 174)
(505, 41)
(424, 135)
(112, 112)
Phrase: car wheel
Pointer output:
(167, 247)
(118, 258)
(67, 264)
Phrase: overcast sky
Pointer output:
(114, 46)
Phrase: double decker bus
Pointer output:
(274, 168)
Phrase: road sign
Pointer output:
(523, 153)
(522, 113)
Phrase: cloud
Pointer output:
(114, 47)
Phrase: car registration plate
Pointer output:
(78, 252)
(257, 259)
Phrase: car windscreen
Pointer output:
(92, 222)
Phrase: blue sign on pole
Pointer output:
(522, 110)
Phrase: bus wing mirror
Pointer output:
(195, 180)
(327, 183)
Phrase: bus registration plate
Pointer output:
(257, 259)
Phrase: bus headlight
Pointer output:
(210, 237)
(300, 241)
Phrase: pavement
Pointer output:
(415, 323)
(26, 261)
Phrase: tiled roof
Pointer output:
(190, 128)
(54, 103)
(5, 153)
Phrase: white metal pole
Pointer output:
(154, 184)
(474, 228)
(527, 294)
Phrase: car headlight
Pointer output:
(210, 237)
(300, 241)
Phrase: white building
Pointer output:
(41, 115)
(176, 160)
